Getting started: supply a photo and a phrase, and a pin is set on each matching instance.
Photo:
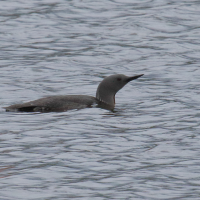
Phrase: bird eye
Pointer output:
(119, 79)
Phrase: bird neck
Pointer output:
(105, 96)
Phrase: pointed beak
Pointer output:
(133, 77)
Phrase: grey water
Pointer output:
(149, 147)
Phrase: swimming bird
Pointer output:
(105, 97)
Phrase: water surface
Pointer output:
(149, 147)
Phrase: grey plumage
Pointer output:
(105, 97)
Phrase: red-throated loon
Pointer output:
(105, 97)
